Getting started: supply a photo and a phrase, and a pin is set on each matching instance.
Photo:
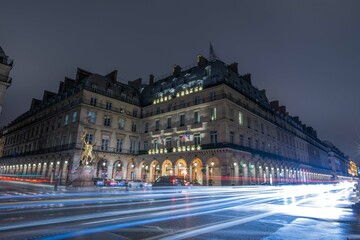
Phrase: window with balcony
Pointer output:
(59, 122)
(132, 145)
(133, 127)
(182, 120)
(196, 117)
(213, 137)
(89, 138)
(197, 100)
(105, 143)
(249, 142)
(93, 101)
(146, 145)
(241, 140)
(240, 119)
(66, 119)
(231, 137)
(74, 117)
(91, 117)
(168, 143)
(108, 105)
(169, 122)
(197, 139)
(212, 96)
(146, 127)
(119, 144)
(107, 121)
(156, 144)
(182, 104)
(157, 125)
(231, 114)
(213, 113)
(256, 125)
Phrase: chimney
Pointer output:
(201, 60)
(310, 130)
(81, 74)
(282, 110)
(176, 70)
(263, 92)
(247, 77)
(234, 67)
(112, 75)
(275, 105)
(35, 103)
(151, 79)
(61, 87)
(136, 83)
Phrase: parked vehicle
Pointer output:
(99, 182)
(194, 183)
(169, 182)
(111, 182)
(136, 183)
(121, 183)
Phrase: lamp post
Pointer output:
(155, 172)
(195, 172)
(234, 174)
(211, 172)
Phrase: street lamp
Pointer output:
(194, 172)
(210, 173)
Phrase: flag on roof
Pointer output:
(212, 53)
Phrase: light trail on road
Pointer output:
(75, 215)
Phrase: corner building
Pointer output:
(205, 123)
(6, 65)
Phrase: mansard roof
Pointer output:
(2, 53)
(204, 74)
(88, 81)
(4, 59)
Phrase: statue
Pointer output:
(87, 155)
(85, 172)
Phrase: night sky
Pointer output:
(306, 54)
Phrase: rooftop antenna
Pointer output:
(212, 53)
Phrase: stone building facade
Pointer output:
(205, 123)
(6, 65)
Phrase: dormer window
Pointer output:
(208, 71)
(109, 92)
(94, 87)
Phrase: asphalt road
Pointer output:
(258, 212)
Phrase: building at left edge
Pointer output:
(6, 65)
(206, 123)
